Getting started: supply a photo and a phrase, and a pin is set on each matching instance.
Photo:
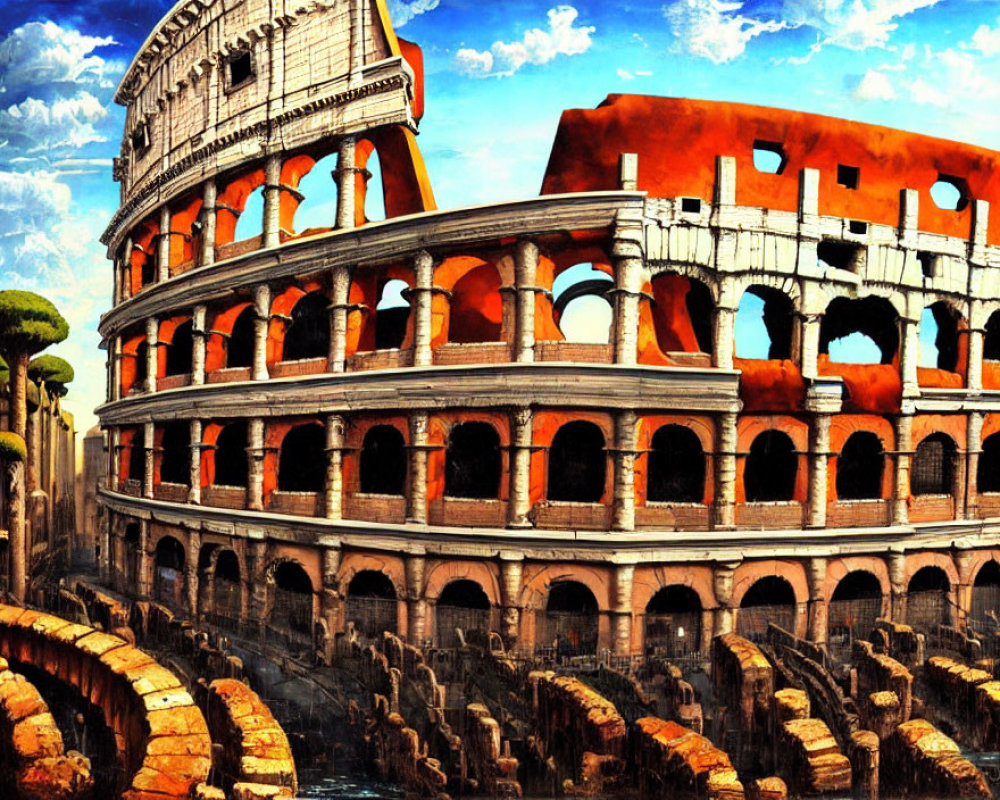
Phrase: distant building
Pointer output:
(346, 424)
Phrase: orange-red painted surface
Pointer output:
(677, 141)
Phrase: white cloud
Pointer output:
(854, 24)
(34, 125)
(537, 46)
(402, 12)
(624, 74)
(986, 40)
(874, 86)
(41, 53)
(714, 29)
(925, 94)
(644, 73)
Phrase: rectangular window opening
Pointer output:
(848, 177)
(240, 69)
(841, 255)
(930, 264)
(691, 205)
(858, 227)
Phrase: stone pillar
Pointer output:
(423, 293)
(116, 368)
(255, 462)
(191, 573)
(897, 583)
(116, 295)
(511, 572)
(415, 567)
(976, 339)
(345, 173)
(623, 509)
(272, 200)
(330, 599)
(901, 488)
(519, 504)
(724, 329)
(525, 278)
(808, 356)
(262, 317)
(818, 610)
(416, 505)
(621, 617)
(152, 352)
(864, 755)
(127, 266)
(194, 489)
(148, 463)
(333, 493)
(257, 582)
(723, 585)
(725, 472)
(142, 578)
(198, 335)
(114, 450)
(819, 452)
(909, 356)
(627, 256)
(960, 612)
(163, 246)
(338, 318)
(974, 448)
(209, 195)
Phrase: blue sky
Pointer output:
(498, 74)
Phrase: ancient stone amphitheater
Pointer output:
(323, 426)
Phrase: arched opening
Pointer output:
(983, 619)
(577, 463)
(570, 624)
(770, 599)
(226, 587)
(141, 365)
(179, 350)
(950, 193)
(231, 455)
(168, 573)
(682, 314)
(933, 465)
(250, 222)
(318, 188)
(476, 308)
(860, 466)
(308, 334)
(938, 337)
(582, 310)
(302, 461)
(371, 604)
(374, 189)
(873, 318)
(472, 464)
(991, 339)
(771, 468)
(463, 606)
(137, 458)
(673, 622)
(175, 466)
(392, 314)
(927, 599)
(131, 566)
(383, 461)
(988, 471)
(292, 612)
(764, 324)
(240, 346)
(676, 466)
(854, 606)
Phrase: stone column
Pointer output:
(198, 335)
(819, 453)
(909, 356)
(897, 583)
(901, 488)
(974, 447)
(148, 463)
(963, 591)
(622, 612)
(627, 256)
(191, 573)
(725, 472)
(818, 609)
(116, 295)
(976, 339)
(415, 567)
(127, 266)
(272, 200)
(163, 246)
(194, 490)
(262, 317)
(333, 493)
(344, 176)
(519, 505)
(330, 599)
(338, 318)
(623, 509)
(152, 352)
(723, 585)
(423, 294)
(724, 329)
(142, 578)
(116, 368)
(511, 572)
(257, 580)
(255, 462)
(525, 279)
(416, 505)
(808, 356)
(209, 195)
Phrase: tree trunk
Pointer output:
(15, 510)
(19, 394)
(31, 445)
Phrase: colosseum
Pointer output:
(330, 425)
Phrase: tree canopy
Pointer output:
(28, 323)
(53, 371)
(12, 447)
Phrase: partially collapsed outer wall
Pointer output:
(451, 413)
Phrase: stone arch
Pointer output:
(933, 468)
(570, 623)
(231, 202)
(382, 461)
(535, 585)
(462, 605)
(372, 603)
(854, 606)
(988, 471)
(860, 468)
(769, 599)
(136, 455)
(928, 597)
(676, 466)
(282, 307)
(984, 607)
(230, 462)
(169, 561)
(777, 316)
(872, 316)
(481, 573)
(227, 575)
(580, 292)
(179, 349)
(175, 453)
(683, 310)
(577, 463)
(389, 565)
(771, 468)
(302, 459)
(672, 621)
(838, 568)
(308, 333)
(949, 320)
(230, 341)
(291, 596)
(473, 462)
